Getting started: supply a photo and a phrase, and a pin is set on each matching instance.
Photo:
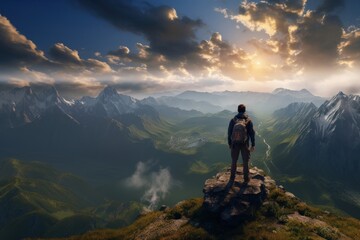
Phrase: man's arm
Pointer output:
(251, 133)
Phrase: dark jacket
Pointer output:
(250, 128)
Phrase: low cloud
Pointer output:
(161, 182)
(76, 89)
(157, 184)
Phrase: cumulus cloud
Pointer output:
(173, 49)
(221, 56)
(328, 6)
(298, 42)
(19, 54)
(316, 41)
(61, 53)
(70, 59)
(156, 183)
(350, 48)
(306, 41)
(16, 50)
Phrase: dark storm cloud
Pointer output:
(15, 49)
(317, 39)
(328, 6)
(350, 48)
(318, 36)
(167, 34)
(290, 5)
(213, 55)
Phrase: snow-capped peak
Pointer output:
(108, 91)
(298, 94)
(341, 108)
(109, 103)
(32, 100)
(341, 94)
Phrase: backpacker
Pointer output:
(239, 133)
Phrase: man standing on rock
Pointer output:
(240, 131)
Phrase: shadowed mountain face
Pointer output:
(328, 141)
(20, 106)
(318, 148)
(40, 124)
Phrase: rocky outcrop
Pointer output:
(236, 203)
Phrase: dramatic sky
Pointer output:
(156, 46)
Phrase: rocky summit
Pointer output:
(238, 202)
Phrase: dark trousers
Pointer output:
(245, 154)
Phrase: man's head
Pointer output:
(241, 108)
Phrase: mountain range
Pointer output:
(321, 139)
(160, 150)
(258, 102)
(103, 139)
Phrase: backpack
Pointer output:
(239, 133)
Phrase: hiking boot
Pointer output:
(230, 183)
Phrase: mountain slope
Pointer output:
(314, 152)
(285, 127)
(68, 135)
(168, 113)
(189, 104)
(331, 142)
(37, 200)
(20, 106)
(33, 197)
(280, 216)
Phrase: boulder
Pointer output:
(236, 203)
